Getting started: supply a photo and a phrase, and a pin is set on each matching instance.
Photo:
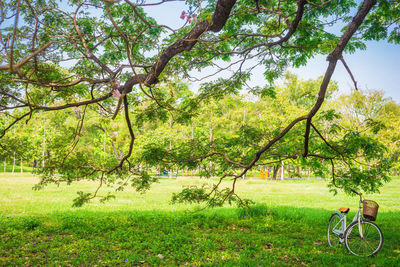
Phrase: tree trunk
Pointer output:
(5, 164)
(275, 172)
(309, 173)
(283, 170)
(22, 166)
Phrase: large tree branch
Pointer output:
(221, 15)
(333, 57)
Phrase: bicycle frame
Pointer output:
(343, 219)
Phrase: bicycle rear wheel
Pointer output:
(365, 246)
(335, 229)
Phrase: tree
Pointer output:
(376, 117)
(56, 57)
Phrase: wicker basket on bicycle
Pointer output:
(370, 209)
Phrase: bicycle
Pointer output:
(362, 237)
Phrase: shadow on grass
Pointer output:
(226, 236)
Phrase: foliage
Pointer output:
(233, 126)
(62, 63)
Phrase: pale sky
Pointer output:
(376, 68)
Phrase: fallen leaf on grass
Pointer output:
(161, 256)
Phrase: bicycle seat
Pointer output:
(344, 210)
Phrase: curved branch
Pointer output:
(333, 57)
(349, 71)
(14, 122)
(221, 15)
(82, 103)
(128, 123)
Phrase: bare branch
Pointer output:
(77, 135)
(132, 135)
(349, 71)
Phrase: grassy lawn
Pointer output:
(286, 227)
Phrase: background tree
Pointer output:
(56, 57)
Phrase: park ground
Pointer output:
(286, 227)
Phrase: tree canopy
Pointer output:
(98, 58)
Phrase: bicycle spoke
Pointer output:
(364, 239)
(367, 226)
(373, 249)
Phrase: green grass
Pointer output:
(286, 227)
(17, 168)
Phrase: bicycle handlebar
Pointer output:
(355, 192)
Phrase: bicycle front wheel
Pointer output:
(335, 229)
(363, 240)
